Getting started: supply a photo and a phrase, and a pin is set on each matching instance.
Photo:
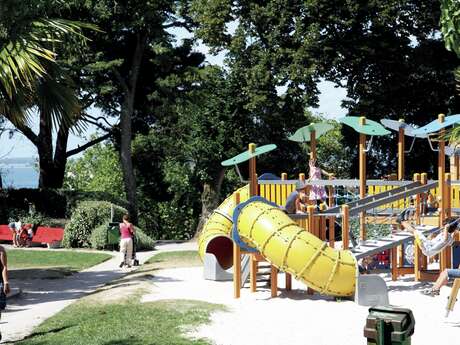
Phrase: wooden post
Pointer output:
(345, 226)
(312, 230)
(313, 145)
(322, 223)
(401, 150)
(253, 272)
(332, 218)
(236, 261)
(446, 254)
(456, 167)
(394, 263)
(311, 220)
(442, 185)
(417, 252)
(422, 200)
(288, 277)
(253, 191)
(273, 281)
(253, 186)
(362, 178)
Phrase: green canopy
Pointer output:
(370, 128)
(303, 134)
(246, 155)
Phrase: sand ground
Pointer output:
(296, 318)
(292, 318)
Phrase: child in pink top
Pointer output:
(317, 193)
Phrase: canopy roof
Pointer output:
(246, 155)
(369, 128)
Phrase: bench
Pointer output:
(44, 234)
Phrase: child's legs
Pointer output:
(443, 279)
(408, 226)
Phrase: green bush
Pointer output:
(86, 217)
(177, 222)
(74, 198)
(99, 238)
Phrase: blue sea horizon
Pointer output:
(19, 176)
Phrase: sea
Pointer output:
(19, 172)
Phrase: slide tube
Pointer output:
(215, 236)
(294, 250)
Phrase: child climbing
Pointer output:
(295, 201)
(433, 246)
(317, 193)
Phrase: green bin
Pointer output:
(113, 234)
(389, 326)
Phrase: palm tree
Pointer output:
(31, 81)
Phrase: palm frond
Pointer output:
(28, 66)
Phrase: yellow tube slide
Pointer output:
(292, 249)
(215, 236)
(281, 241)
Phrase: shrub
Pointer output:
(85, 218)
(99, 238)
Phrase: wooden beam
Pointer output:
(442, 185)
(253, 273)
(401, 150)
(273, 281)
(313, 145)
(236, 261)
(345, 226)
(362, 178)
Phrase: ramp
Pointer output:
(383, 198)
(371, 247)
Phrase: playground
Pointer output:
(252, 228)
(334, 263)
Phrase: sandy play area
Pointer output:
(295, 318)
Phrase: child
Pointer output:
(431, 247)
(295, 201)
(15, 227)
(317, 193)
(443, 279)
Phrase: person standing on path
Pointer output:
(126, 242)
(4, 284)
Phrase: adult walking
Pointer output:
(126, 242)
(4, 284)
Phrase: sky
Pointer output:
(330, 99)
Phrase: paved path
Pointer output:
(42, 298)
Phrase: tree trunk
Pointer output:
(210, 199)
(127, 108)
(125, 156)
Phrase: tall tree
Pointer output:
(123, 65)
(34, 81)
(387, 54)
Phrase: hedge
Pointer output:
(86, 217)
(99, 238)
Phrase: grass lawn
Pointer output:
(186, 258)
(129, 322)
(50, 264)
(115, 316)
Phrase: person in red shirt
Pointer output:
(126, 241)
